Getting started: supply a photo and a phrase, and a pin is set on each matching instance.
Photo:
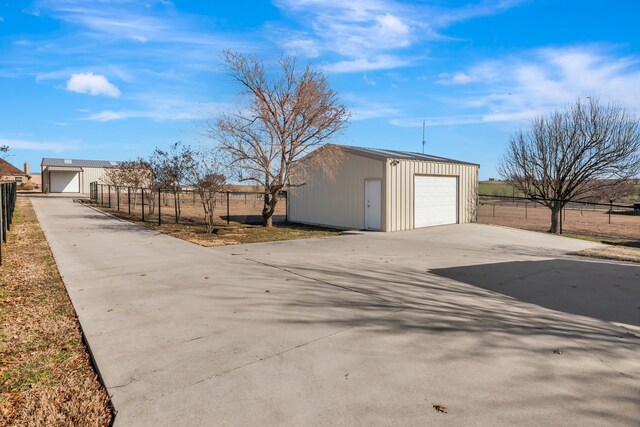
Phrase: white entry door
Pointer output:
(372, 204)
(64, 182)
(436, 200)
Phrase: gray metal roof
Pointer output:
(401, 155)
(78, 163)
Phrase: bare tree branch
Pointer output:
(574, 153)
(289, 114)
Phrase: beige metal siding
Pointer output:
(400, 192)
(90, 175)
(87, 176)
(337, 203)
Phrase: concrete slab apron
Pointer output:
(360, 330)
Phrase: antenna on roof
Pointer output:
(424, 142)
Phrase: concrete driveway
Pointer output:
(367, 329)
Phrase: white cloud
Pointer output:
(305, 46)
(92, 84)
(410, 122)
(365, 109)
(162, 108)
(20, 144)
(357, 30)
(519, 87)
(368, 81)
(392, 26)
(486, 72)
(140, 39)
(106, 116)
(383, 62)
(373, 110)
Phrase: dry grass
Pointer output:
(46, 378)
(616, 249)
(228, 234)
(617, 253)
(622, 236)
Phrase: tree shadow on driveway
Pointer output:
(605, 291)
(489, 347)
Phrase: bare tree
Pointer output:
(170, 168)
(289, 113)
(616, 192)
(573, 153)
(135, 174)
(206, 178)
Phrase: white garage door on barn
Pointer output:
(65, 182)
(402, 190)
(436, 200)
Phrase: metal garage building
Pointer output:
(71, 175)
(387, 190)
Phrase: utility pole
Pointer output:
(424, 142)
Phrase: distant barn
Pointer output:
(72, 175)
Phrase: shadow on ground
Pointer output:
(477, 324)
(605, 291)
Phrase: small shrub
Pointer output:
(27, 186)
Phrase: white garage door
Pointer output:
(436, 200)
(65, 182)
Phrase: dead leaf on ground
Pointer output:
(440, 408)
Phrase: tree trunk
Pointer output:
(556, 211)
(270, 202)
(176, 207)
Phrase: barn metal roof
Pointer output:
(78, 163)
(401, 155)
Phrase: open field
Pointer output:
(623, 232)
(498, 189)
(46, 377)
(243, 207)
(504, 189)
(585, 222)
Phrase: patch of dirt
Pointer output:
(224, 234)
(593, 223)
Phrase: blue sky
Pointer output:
(112, 79)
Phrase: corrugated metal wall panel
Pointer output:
(90, 175)
(400, 192)
(338, 203)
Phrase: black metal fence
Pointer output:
(162, 205)
(7, 206)
(495, 206)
